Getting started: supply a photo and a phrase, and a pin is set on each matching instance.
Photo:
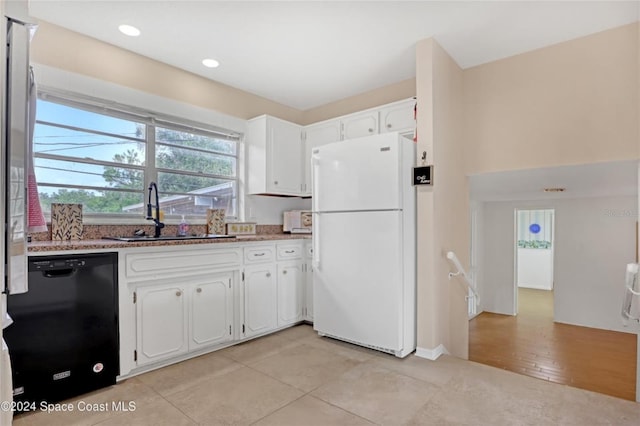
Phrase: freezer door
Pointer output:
(357, 279)
(358, 174)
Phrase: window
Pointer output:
(105, 159)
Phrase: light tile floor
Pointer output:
(297, 378)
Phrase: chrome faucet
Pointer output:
(156, 220)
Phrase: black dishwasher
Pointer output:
(64, 338)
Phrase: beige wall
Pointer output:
(571, 103)
(443, 209)
(452, 194)
(383, 95)
(60, 48)
(430, 323)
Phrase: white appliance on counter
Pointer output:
(364, 242)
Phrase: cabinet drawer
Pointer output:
(259, 254)
(289, 251)
(165, 263)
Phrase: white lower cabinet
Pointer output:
(174, 310)
(211, 311)
(290, 292)
(175, 319)
(260, 299)
(161, 323)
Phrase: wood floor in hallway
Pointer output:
(532, 344)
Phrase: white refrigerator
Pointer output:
(364, 253)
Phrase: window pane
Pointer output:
(171, 157)
(74, 176)
(184, 139)
(62, 114)
(81, 174)
(103, 201)
(189, 196)
(73, 143)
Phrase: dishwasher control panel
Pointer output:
(45, 265)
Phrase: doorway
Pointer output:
(534, 254)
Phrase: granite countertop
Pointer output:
(98, 244)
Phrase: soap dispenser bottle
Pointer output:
(183, 228)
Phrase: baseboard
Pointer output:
(475, 315)
(432, 354)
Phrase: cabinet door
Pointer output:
(290, 291)
(284, 153)
(398, 117)
(211, 311)
(317, 135)
(161, 323)
(260, 299)
(359, 125)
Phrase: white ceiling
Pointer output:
(611, 179)
(306, 54)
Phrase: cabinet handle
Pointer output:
(370, 130)
(259, 254)
(178, 293)
(199, 290)
(389, 126)
(268, 274)
(275, 182)
(289, 251)
(284, 272)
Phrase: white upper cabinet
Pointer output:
(274, 153)
(360, 124)
(278, 153)
(316, 135)
(398, 117)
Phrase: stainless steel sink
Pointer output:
(168, 238)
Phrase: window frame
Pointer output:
(151, 120)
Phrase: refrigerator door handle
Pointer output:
(315, 261)
(315, 168)
(315, 195)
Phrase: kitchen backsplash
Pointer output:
(95, 232)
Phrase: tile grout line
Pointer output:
(279, 408)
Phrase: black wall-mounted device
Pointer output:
(423, 175)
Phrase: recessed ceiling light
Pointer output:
(129, 30)
(210, 63)
(554, 189)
